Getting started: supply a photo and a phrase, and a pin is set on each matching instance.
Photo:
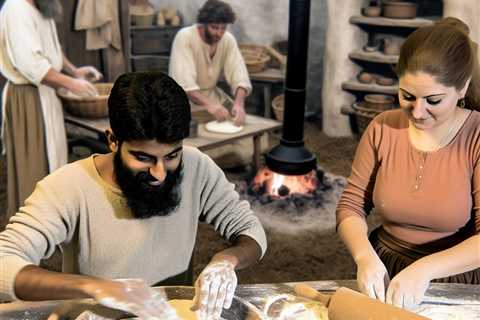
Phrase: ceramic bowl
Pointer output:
(372, 11)
(385, 81)
(399, 9)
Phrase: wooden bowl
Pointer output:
(399, 9)
(87, 107)
(379, 102)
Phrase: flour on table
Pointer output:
(227, 127)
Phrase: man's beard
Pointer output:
(50, 9)
(209, 38)
(146, 200)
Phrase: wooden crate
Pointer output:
(152, 40)
(150, 63)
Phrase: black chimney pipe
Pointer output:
(291, 157)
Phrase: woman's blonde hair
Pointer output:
(444, 50)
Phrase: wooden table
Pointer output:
(254, 127)
(267, 78)
(455, 300)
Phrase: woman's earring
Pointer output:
(461, 103)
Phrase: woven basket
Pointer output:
(256, 57)
(363, 116)
(278, 106)
(87, 107)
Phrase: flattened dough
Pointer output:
(183, 308)
(226, 127)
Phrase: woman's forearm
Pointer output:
(461, 258)
(354, 233)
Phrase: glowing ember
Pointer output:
(281, 186)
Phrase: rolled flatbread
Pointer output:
(183, 309)
(225, 127)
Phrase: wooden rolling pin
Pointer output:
(346, 304)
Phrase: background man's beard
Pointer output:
(50, 9)
(209, 38)
(146, 200)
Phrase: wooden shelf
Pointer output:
(354, 85)
(373, 56)
(153, 27)
(388, 22)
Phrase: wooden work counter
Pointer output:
(452, 301)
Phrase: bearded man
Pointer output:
(32, 61)
(132, 213)
(201, 53)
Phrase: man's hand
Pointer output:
(238, 113)
(218, 111)
(82, 88)
(133, 296)
(372, 277)
(407, 288)
(88, 73)
(214, 289)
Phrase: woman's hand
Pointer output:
(407, 288)
(133, 296)
(88, 73)
(372, 277)
(214, 289)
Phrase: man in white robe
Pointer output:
(200, 55)
(31, 59)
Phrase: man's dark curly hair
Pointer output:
(216, 11)
(147, 106)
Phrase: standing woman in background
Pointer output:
(32, 60)
(419, 167)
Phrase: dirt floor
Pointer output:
(308, 254)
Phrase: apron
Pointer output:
(55, 134)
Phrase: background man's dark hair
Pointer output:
(147, 106)
(216, 11)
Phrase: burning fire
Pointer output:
(280, 185)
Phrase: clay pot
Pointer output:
(392, 46)
(399, 9)
(384, 81)
(365, 77)
(372, 11)
(143, 15)
(379, 101)
(372, 47)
